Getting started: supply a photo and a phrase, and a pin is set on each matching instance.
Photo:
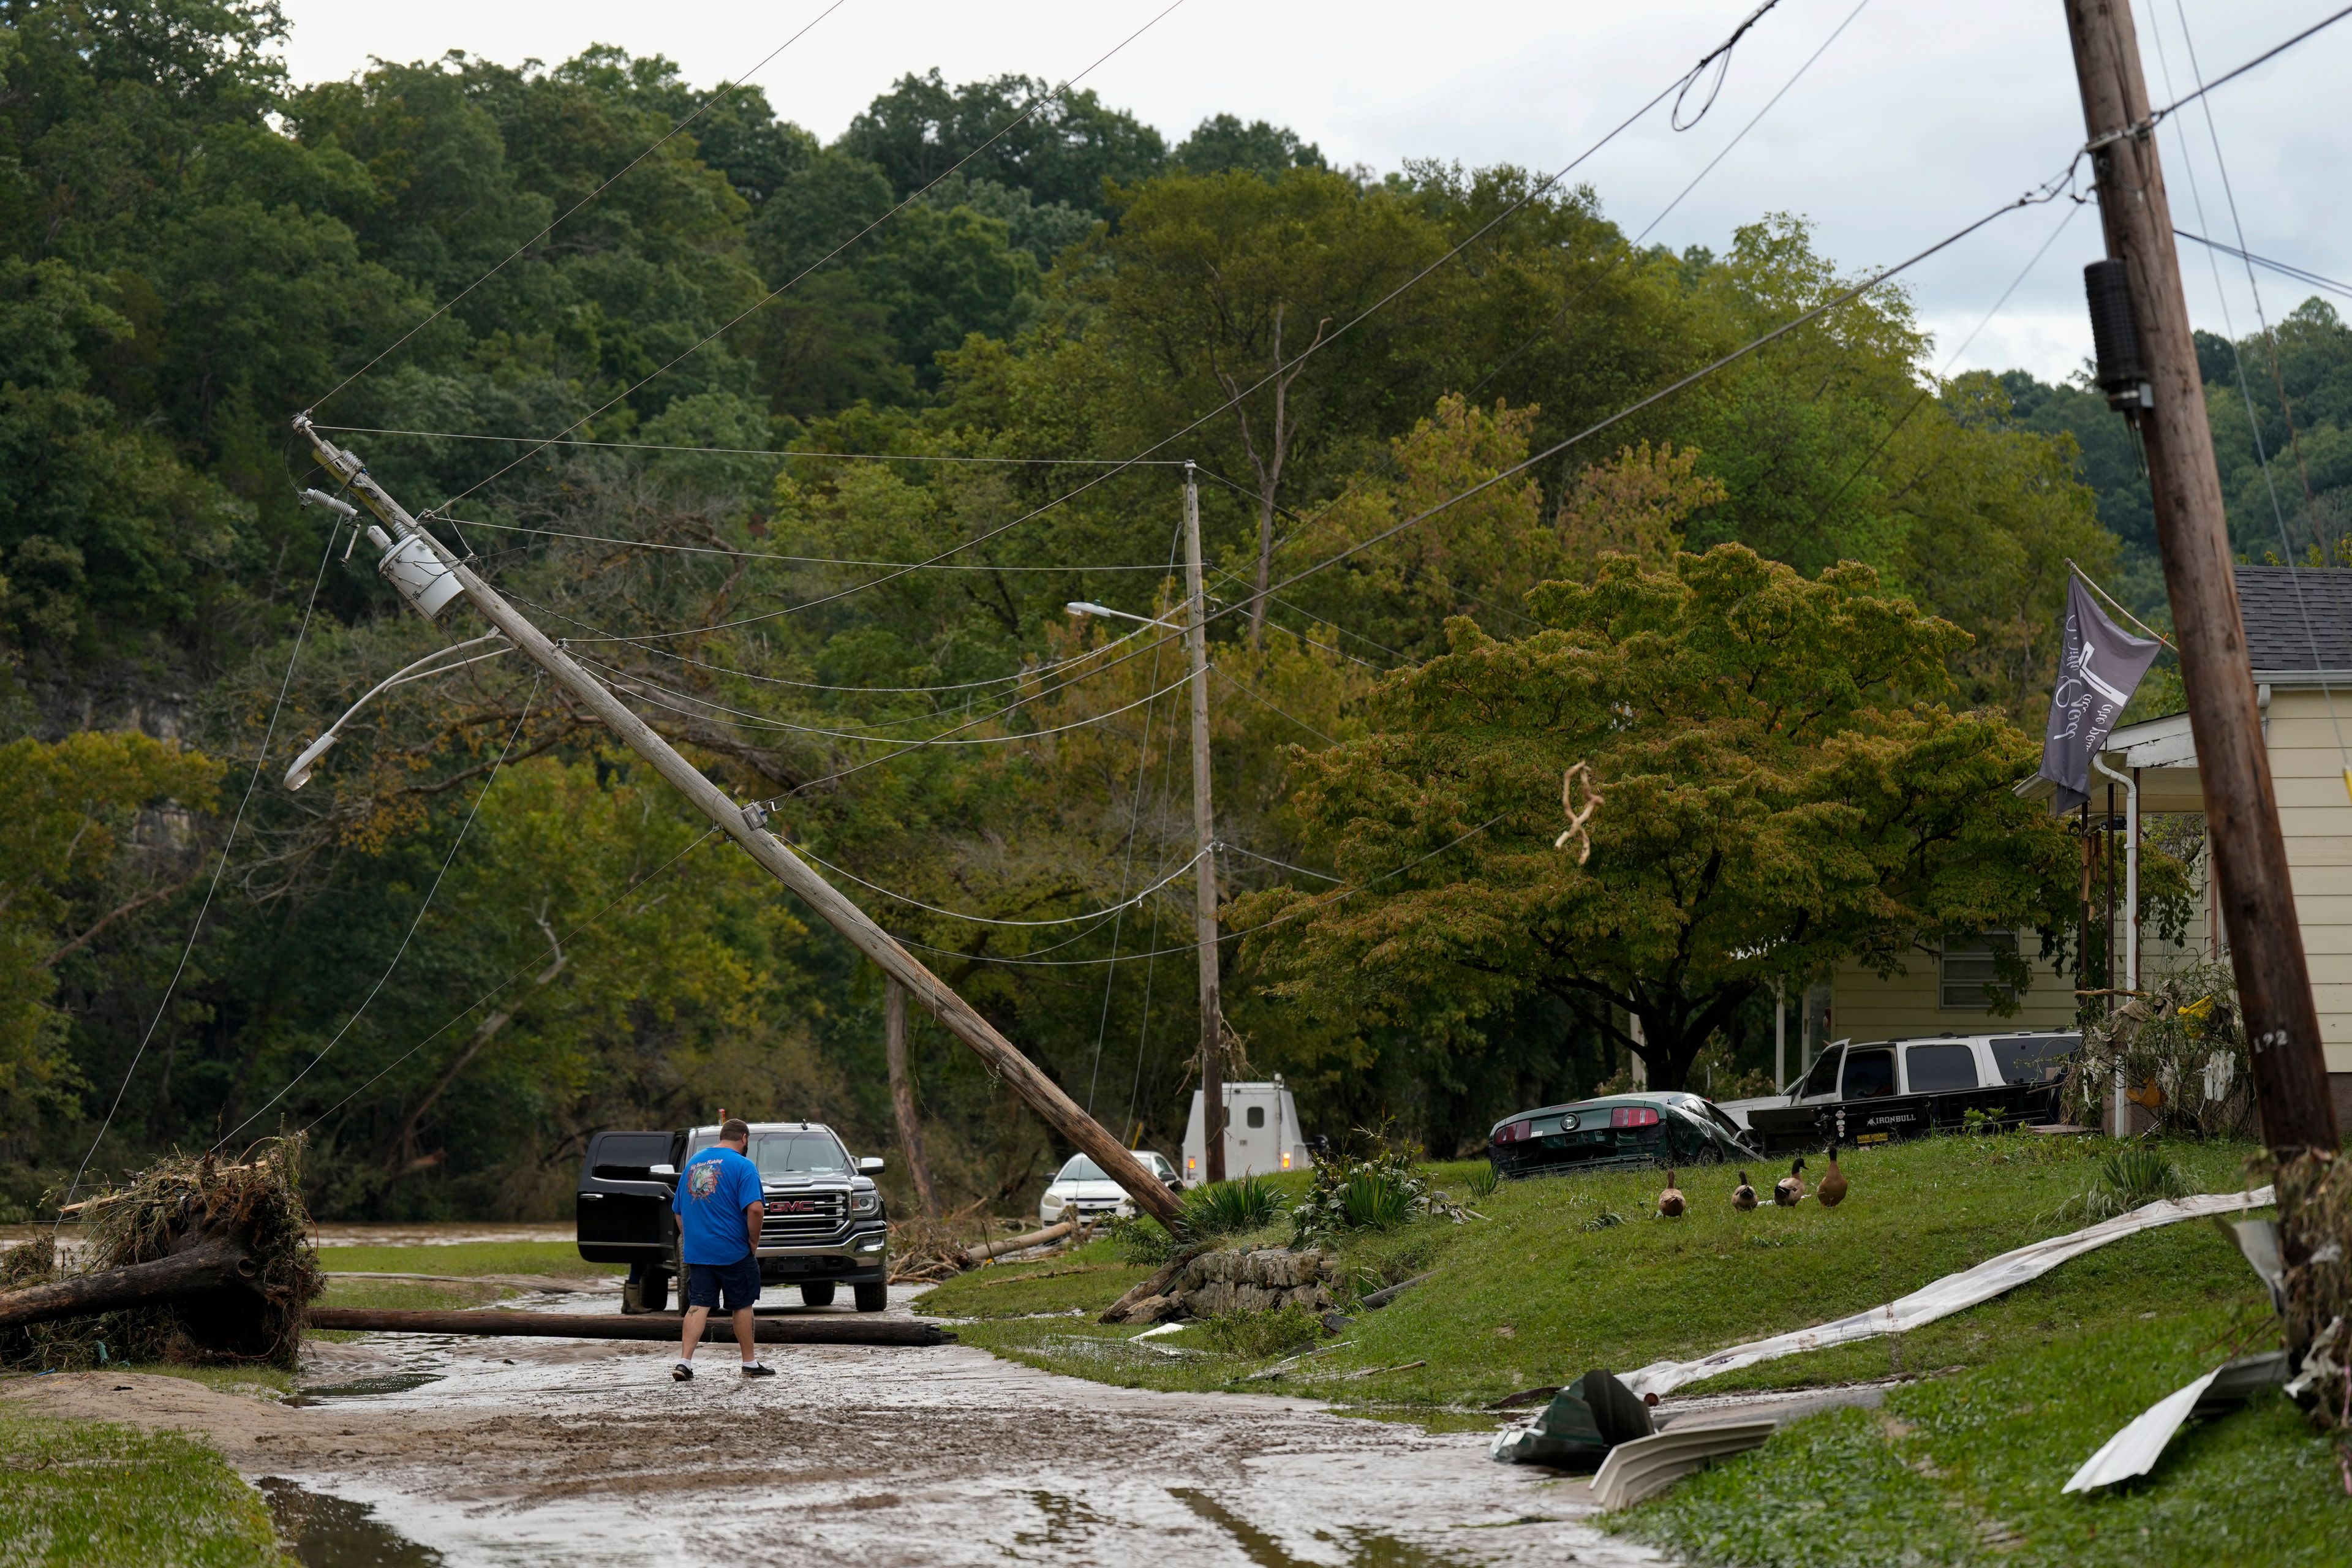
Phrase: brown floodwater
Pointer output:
(415, 1449)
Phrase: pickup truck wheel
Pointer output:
(819, 1294)
(872, 1298)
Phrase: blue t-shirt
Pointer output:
(713, 1191)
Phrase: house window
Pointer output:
(1969, 982)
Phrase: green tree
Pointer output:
(98, 828)
(1780, 790)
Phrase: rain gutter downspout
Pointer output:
(2131, 904)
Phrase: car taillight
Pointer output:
(1633, 1116)
(1517, 1132)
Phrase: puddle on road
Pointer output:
(360, 1387)
(324, 1532)
(1366, 1548)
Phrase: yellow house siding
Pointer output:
(2307, 762)
(1865, 1007)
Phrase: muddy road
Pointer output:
(523, 1451)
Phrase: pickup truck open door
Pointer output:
(623, 1214)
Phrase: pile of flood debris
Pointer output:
(191, 1261)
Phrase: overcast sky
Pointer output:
(1917, 118)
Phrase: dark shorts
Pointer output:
(739, 1281)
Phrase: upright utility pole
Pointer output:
(746, 825)
(1204, 869)
(2233, 766)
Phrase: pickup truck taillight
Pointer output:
(1517, 1132)
(1633, 1116)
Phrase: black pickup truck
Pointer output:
(824, 1226)
(1860, 1093)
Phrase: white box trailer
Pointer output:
(1262, 1134)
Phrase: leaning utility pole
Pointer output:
(418, 564)
(1204, 869)
(2156, 384)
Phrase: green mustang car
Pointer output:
(1619, 1130)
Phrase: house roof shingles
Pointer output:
(2290, 615)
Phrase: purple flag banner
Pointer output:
(2097, 673)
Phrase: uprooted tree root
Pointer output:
(180, 1200)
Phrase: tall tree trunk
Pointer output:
(902, 1094)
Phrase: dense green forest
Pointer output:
(789, 368)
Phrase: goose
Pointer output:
(1743, 1196)
(1832, 1188)
(1790, 1189)
(1670, 1201)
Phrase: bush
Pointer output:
(1142, 1240)
(2131, 1177)
(1377, 1192)
(1484, 1180)
(1229, 1208)
(1262, 1333)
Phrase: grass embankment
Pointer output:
(82, 1494)
(1544, 1288)
(468, 1262)
(1963, 1465)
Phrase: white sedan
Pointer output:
(1080, 1191)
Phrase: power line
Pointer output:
(406, 937)
(813, 454)
(1310, 907)
(2287, 270)
(2050, 190)
(726, 89)
(261, 758)
(626, 681)
(787, 560)
(447, 1023)
(1533, 194)
(1926, 392)
(774, 294)
(1096, 916)
(1247, 690)
(2206, 87)
(2254, 426)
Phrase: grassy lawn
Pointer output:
(560, 1257)
(1532, 1295)
(1967, 1466)
(1962, 1465)
(65, 1487)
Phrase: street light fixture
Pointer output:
(1087, 607)
(298, 774)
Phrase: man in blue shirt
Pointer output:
(719, 1210)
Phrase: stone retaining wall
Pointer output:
(1218, 1283)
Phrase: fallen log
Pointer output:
(975, 1256)
(206, 1265)
(1157, 1285)
(795, 1330)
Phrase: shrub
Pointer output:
(1262, 1333)
(1142, 1240)
(2132, 1176)
(1229, 1208)
(1484, 1180)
